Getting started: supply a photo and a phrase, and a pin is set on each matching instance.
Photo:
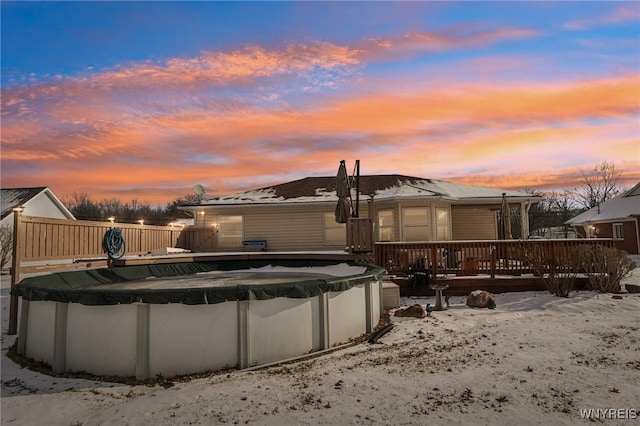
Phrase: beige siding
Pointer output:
(473, 223)
(301, 227)
(283, 227)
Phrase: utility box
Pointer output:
(390, 295)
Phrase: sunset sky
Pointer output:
(146, 99)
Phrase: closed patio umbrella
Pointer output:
(343, 191)
(505, 214)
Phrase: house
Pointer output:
(555, 233)
(40, 202)
(617, 218)
(300, 215)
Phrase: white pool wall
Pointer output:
(145, 340)
(101, 339)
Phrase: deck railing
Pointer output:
(360, 235)
(493, 257)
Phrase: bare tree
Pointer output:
(6, 245)
(83, 207)
(539, 214)
(598, 186)
(564, 209)
(111, 207)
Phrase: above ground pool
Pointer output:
(182, 318)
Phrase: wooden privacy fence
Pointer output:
(41, 239)
(502, 257)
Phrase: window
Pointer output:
(386, 226)
(229, 231)
(334, 233)
(618, 231)
(415, 223)
(442, 223)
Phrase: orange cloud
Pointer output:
(158, 128)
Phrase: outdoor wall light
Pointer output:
(202, 213)
(111, 219)
(141, 221)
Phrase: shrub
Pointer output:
(558, 273)
(606, 267)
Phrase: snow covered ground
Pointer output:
(535, 359)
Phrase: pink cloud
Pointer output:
(457, 37)
(624, 14)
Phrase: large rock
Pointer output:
(632, 288)
(416, 311)
(480, 299)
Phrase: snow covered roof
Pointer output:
(14, 197)
(384, 187)
(624, 206)
(183, 222)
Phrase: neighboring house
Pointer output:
(555, 233)
(38, 202)
(617, 218)
(299, 215)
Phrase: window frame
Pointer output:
(220, 220)
(391, 227)
(426, 225)
(329, 224)
(615, 227)
(446, 225)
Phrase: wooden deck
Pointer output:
(462, 286)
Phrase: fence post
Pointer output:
(16, 261)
